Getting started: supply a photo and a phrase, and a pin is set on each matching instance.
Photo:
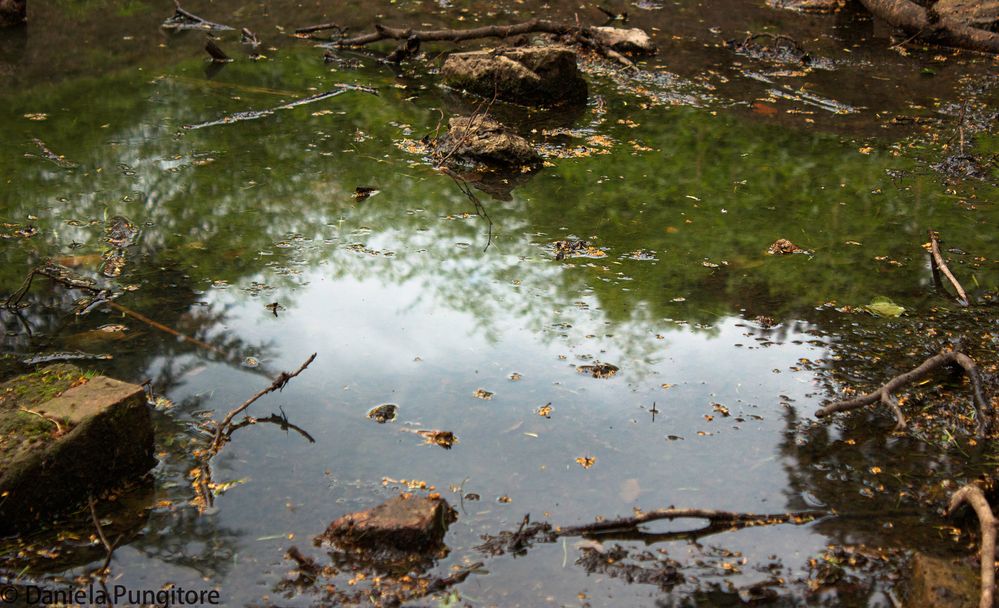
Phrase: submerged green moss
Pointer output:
(21, 430)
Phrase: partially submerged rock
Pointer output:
(624, 40)
(404, 523)
(940, 583)
(480, 139)
(533, 76)
(65, 437)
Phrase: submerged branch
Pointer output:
(973, 495)
(255, 114)
(718, 520)
(885, 393)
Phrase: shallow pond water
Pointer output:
(250, 239)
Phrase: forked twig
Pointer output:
(278, 384)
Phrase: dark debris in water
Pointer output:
(576, 248)
(383, 413)
(640, 567)
(776, 48)
(967, 166)
(598, 370)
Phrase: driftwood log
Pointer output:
(950, 22)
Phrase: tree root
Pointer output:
(929, 25)
(885, 394)
(973, 495)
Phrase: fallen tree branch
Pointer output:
(932, 26)
(279, 383)
(716, 519)
(937, 262)
(384, 32)
(973, 495)
(885, 394)
(583, 35)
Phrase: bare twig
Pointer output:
(973, 495)
(278, 384)
(320, 27)
(885, 393)
(51, 419)
(936, 259)
(108, 546)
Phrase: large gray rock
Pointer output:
(65, 437)
(404, 523)
(531, 76)
(480, 139)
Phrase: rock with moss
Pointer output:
(66, 435)
(531, 76)
(482, 140)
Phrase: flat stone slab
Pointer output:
(942, 583)
(530, 76)
(405, 523)
(66, 436)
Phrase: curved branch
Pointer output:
(973, 495)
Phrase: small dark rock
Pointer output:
(404, 523)
(532, 76)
